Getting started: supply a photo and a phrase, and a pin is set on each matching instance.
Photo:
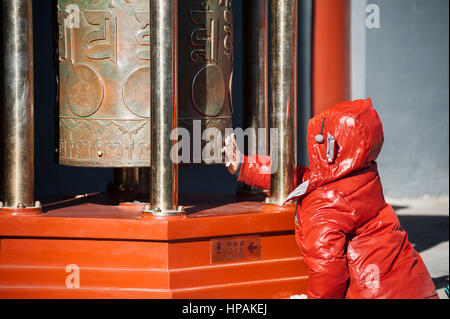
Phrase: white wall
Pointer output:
(404, 67)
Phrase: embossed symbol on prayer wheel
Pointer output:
(205, 57)
(104, 77)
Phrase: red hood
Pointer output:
(358, 132)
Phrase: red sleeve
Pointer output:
(325, 227)
(255, 171)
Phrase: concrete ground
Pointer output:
(426, 221)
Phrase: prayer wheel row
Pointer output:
(104, 77)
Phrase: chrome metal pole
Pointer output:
(163, 66)
(256, 70)
(284, 19)
(18, 102)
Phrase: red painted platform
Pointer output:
(227, 248)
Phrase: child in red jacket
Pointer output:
(351, 239)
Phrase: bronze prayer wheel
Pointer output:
(256, 72)
(104, 77)
(104, 83)
(205, 64)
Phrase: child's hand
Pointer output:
(232, 154)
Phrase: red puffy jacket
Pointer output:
(351, 239)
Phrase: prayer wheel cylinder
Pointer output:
(104, 77)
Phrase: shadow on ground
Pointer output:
(425, 231)
(441, 282)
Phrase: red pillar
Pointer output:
(331, 53)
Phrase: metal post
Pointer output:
(284, 97)
(256, 69)
(18, 94)
(163, 66)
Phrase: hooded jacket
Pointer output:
(351, 239)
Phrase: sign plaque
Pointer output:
(235, 249)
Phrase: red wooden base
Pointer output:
(224, 249)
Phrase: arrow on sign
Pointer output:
(252, 247)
